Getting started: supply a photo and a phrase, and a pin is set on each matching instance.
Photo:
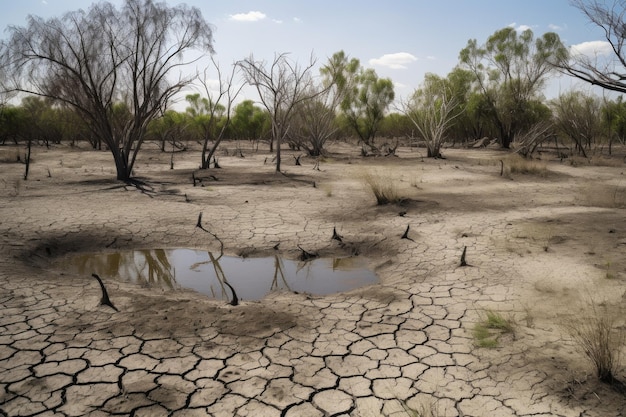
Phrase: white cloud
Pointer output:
(398, 60)
(252, 16)
(277, 21)
(520, 28)
(297, 20)
(556, 28)
(592, 48)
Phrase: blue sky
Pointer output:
(401, 40)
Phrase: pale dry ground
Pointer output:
(539, 247)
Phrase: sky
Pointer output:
(401, 39)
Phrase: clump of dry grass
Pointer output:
(600, 161)
(603, 195)
(384, 188)
(516, 164)
(595, 331)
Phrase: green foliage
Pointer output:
(395, 125)
(365, 96)
(493, 324)
(170, 127)
(249, 121)
(578, 117)
(510, 71)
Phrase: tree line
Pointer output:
(108, 76)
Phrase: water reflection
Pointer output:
(252, 278)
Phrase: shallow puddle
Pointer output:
(205, 272)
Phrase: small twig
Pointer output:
(406, 233)
(105, 301)
(336, 235)
(463, 261)
(305, 256)
(199, 225)
(235, 300)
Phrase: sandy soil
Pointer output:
(540, 249)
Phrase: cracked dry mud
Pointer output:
(537, 246)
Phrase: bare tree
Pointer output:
(432, 109)
(599, 70)
(98, 59)
(314, 123)
(578, 116)
(282, 86)
(526, 142)
(227, 93)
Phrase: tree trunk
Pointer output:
(278, 154)
(506, 140)
(121, 164)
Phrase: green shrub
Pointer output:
(486, 332)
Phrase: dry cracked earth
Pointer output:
(538, 249)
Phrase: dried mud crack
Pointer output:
(406, 342)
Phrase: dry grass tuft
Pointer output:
(384, 188)
(595, 331)
(603, 195)
(516, 164)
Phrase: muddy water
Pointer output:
(205, 272)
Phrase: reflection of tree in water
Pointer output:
(220, 275)
(278, 271)
(156, 268)
(345, 264)
(150, 267)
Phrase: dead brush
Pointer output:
(384, 188)
(516, 164)
(596, 332)
(603, 195)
